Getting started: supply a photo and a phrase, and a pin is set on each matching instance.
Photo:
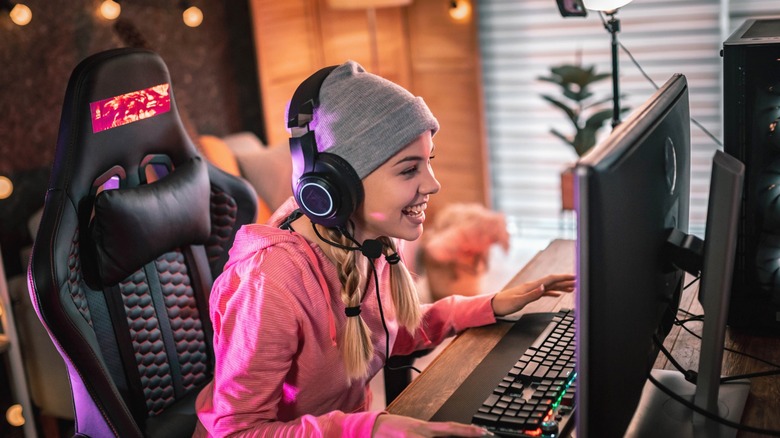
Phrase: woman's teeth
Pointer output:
(415, 210)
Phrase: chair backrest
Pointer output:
(134, 228)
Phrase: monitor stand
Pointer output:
(658, 415)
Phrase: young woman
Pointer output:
(310, 305)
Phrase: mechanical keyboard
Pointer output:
(536, 397)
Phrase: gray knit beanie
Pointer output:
(366, 119)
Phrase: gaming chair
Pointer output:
(134, 229)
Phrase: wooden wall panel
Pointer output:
(419, 47)
(288, 50)
(459, 163)
(444, 56)
(346, 35)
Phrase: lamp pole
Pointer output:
(613, 26)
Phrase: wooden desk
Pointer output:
(431, 389)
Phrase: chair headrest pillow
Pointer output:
(134, 226)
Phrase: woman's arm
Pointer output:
(257, 331)
(455, 313)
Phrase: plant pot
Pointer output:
(567, 188)
(445, 279)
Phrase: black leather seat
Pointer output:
(135, 227)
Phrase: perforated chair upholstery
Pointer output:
(120, 273)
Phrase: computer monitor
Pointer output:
(631, 190)
(658, 414)
(633, 194)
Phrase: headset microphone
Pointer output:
(371, 248)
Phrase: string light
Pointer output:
(20, 13)
(460, 10)
(192, 15)
(110, 9)
(14, 415)
(6, 187)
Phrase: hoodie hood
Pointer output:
(253, 238)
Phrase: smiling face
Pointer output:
(397, 192)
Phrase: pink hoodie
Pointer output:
(278, 370)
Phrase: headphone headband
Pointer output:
(326, 187)
(306, 98)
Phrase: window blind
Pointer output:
(521, 40)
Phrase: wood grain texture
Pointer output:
(428, 392)
(419, 48)
(431, 389)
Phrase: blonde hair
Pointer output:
(354, 271)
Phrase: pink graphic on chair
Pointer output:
(130, 107)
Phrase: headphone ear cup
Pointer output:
(331, 192)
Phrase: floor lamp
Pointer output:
(610, 7)
(370, 6)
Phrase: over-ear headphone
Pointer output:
(326, 187)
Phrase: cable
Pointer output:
(692, 315)
(690, 283)
(384, 325)
(708, 414)
(642, 71)
(690, 375)
(344, 232)
(750, 375)
(730, 350)
(372, 249)
(700, 318)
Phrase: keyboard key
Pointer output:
(524, 397)
(484, 419)
(541, 372)
(529, 370)
(513, 422)
(491, 400)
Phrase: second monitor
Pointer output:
(633, 192)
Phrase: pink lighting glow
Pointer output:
(290, 393)
(130, 107)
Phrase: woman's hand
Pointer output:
(388, 425)
(514, 298)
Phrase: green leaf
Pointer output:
(596, 121)
(555, 80)
(584, 140)
(575, 81)
(558, 134)
(569, 111)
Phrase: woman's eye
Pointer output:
(409, 171)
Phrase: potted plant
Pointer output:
(585, 112)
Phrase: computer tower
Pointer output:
(751, 67)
